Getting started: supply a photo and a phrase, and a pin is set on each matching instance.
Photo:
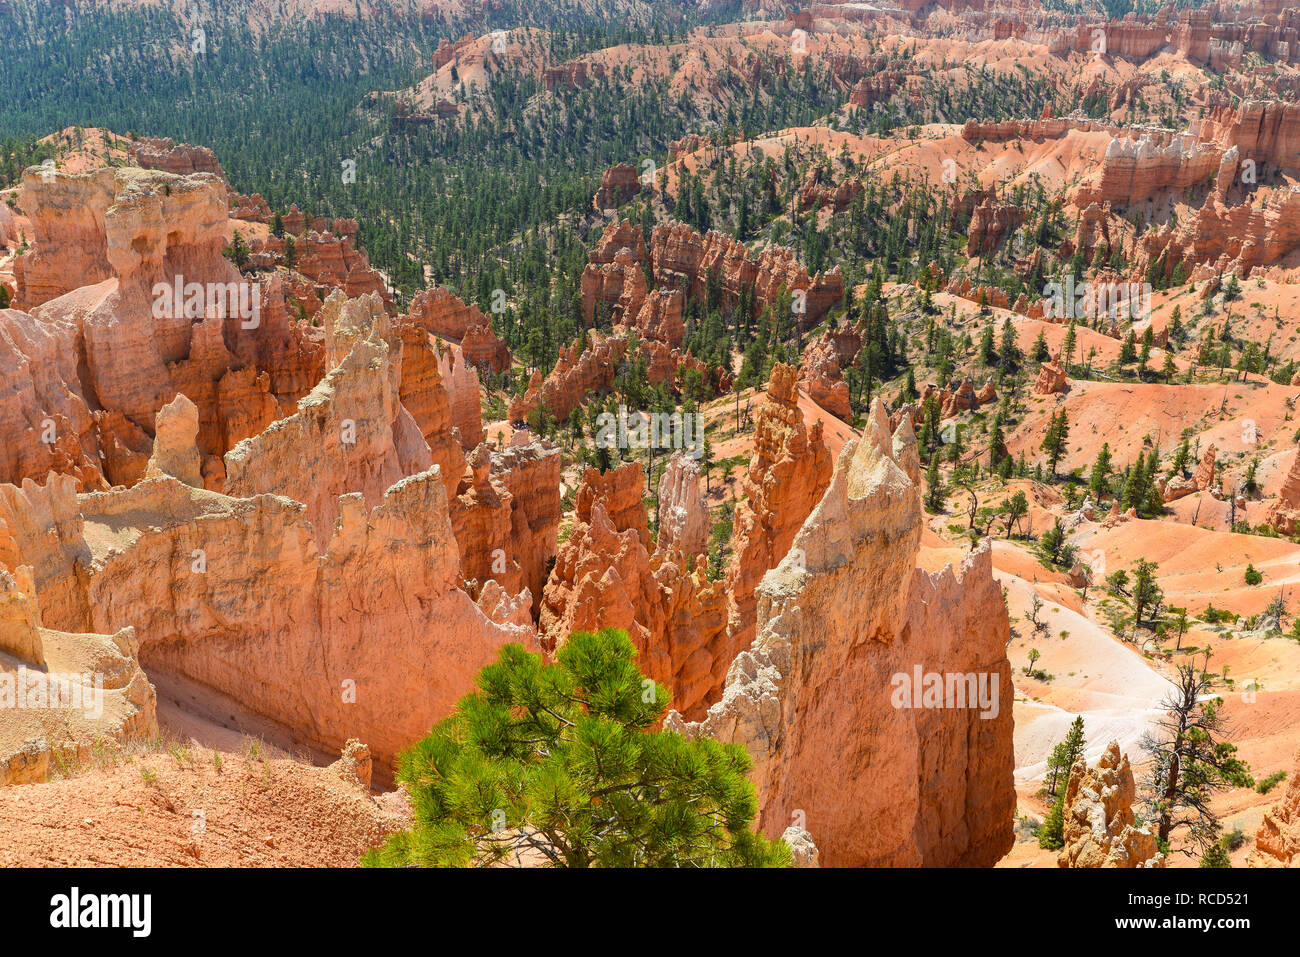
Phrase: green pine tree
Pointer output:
(559, 762)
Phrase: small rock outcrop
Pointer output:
(1277, 844)
(1284, 514)
(1051, 378)
(618, 184)
(1098, 814)
(174, 450)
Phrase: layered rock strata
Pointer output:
(827, 698)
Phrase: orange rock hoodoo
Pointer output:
(1097, 808)
(105, 244)
(606, 577)
(787, 476)
(844, 623)
(440, 312)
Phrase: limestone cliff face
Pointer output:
(1098, 813)
(330, 614)
(1278, 842)
(1245, 221)
(19, 617)
(788, 475)
(173, 157)
(678, 252)
(605, 576)
(660, 318)
(480, 517)
(350, 433)
(618, 184)
(41, 527)
(614, 283)
(1133, 169)
(991, 223)
(101, 353)
(843, 620)
(327, 254)
(369, 637)
(683, 512)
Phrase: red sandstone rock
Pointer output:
(331, 259)
(572, 379)
(294, 221)
(614, 282)
(175, 452)
(253, 209)
(1204, 477)
(439, 311)
(820, 370)
(129, 234)
(604, 577)
(1278, 842)
(842, 620)
(618, 184)
(350, 434)
(1284, 514)
(423, 394)
(660, 318)
(787, 476)
(621, 492)
(990, 224)
(683, 513)
(530, 472)
(123, 447)
(506, 522)
(120, 710)
(480, 517)
(678, 252)
(172, 157)
(462, 385)
(1051, 378)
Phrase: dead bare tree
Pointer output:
(1191, 762)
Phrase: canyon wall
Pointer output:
(844, 621)
(102, 350)
(787, 476)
